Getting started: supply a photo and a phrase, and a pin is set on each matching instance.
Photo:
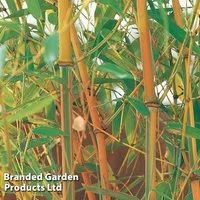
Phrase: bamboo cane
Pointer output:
(80, 160)
(189, 105)
(65, 61)
(150, 98)
(66, 110)
(91, 101)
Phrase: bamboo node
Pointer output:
(96, 131)
(194, 177)
(186, 55)
(152, 104)
(66, 63)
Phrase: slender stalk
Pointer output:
(189, 105)
(92, 103)
(195, 184)
(80, 160)
(150, 98)
(65, 61)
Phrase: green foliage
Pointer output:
(130, 124)
(139, 106)
(35, 143)
(51, 49)
(118, 195)
(27, 109)
(115, 71)
(47, 131)
(34, 8)
(190, 131)
(30, 81)
(163, 190)
(2, 57)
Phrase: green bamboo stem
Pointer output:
(150, 98)
(66, 122)
(65, 61)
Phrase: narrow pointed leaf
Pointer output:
(116, 123)
(110, 193)
(51, 49)
(27, 109)
(47, 131)
(139, 106)
(36, 143)
(191, 132)
(130, 124)
(2, 57)
(34, 8)
(115, 71)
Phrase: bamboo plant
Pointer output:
(139, 140)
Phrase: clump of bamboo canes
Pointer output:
(188, 113)
(150, 98)
(92, 105)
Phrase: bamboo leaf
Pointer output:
(8, 34)
(163, 190)
(34, 8)
(106, 80)
(51, 49)
(47, 6)
(196, 105)
(110, 193)
(53, 18)
(2, 57)
(36, 142)
(47, 131)
(118, 59)
(197, 74)
(130, 124)
(106, 106)
(115, 71)
(48, 76)
(27, 109)
(32, 91)
(87, 167)
(172, 28)
(8, 97)
(191, 132)
(10, 25)
(131, 158)
(139, 106)
(19, 13)
(11, 5)
(115, 4)
(116, 123)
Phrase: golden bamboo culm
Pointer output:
(150, 99)
(68, 37)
